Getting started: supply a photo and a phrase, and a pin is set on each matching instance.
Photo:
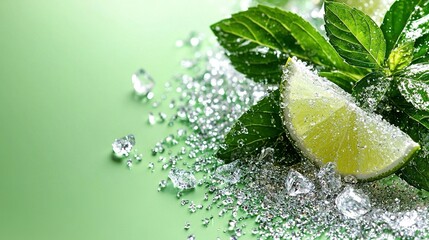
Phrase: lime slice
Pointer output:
(327, 126)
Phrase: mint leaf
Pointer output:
(257, 44)
(415, 92)
(418, 24)
(316, 48)
(413, 84)
(371, 90)
(416, 172)
(259, 40)
(421, 49)
(401, 57)
(261, 126)
(403, 106)
(342, 79)
(419, 71)
(355, 36)
(396, 20)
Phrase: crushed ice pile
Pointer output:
(256, 197)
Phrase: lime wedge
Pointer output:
(327, 126)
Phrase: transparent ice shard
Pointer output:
(182, 179)
(228, 173)
(143, 82)
(353, 203)
(122, 146)
(329, 179)
(297, 184)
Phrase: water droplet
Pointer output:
(350, 179)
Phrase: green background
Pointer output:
(65, 95)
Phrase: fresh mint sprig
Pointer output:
(385, 68)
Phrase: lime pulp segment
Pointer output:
(327, 126)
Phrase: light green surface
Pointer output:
(65, 94)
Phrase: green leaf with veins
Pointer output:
(256, 50)
(395, 22)
(421, 49)
(371, 90)
(259, 40)
(415, 92)
(261, 126)
(416, 172)
(419, 71)
(407, 110)
(413, 84)
(342, 79)
(401, 57)
(418, 25)
(355, 36)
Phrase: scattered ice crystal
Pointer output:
(143, 82)
(228, 173)
(151, 119)
(353, 203)
(182, 179)
(150, 165)
(138, 157)
(191, 237)
(162, 184)
(187, 226)
(162, 117)
(297, 184)
(329, 179)
(129, 163)
(206, 221)
(122, 146)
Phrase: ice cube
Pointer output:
(122, 146)
(353, 203)
(297, 184)
(182, 179)
(143, 82)
(329, 179)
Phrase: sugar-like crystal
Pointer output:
(182, 179)
(297, 184)
(353, 203)
(143, 82)
(123, 146)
